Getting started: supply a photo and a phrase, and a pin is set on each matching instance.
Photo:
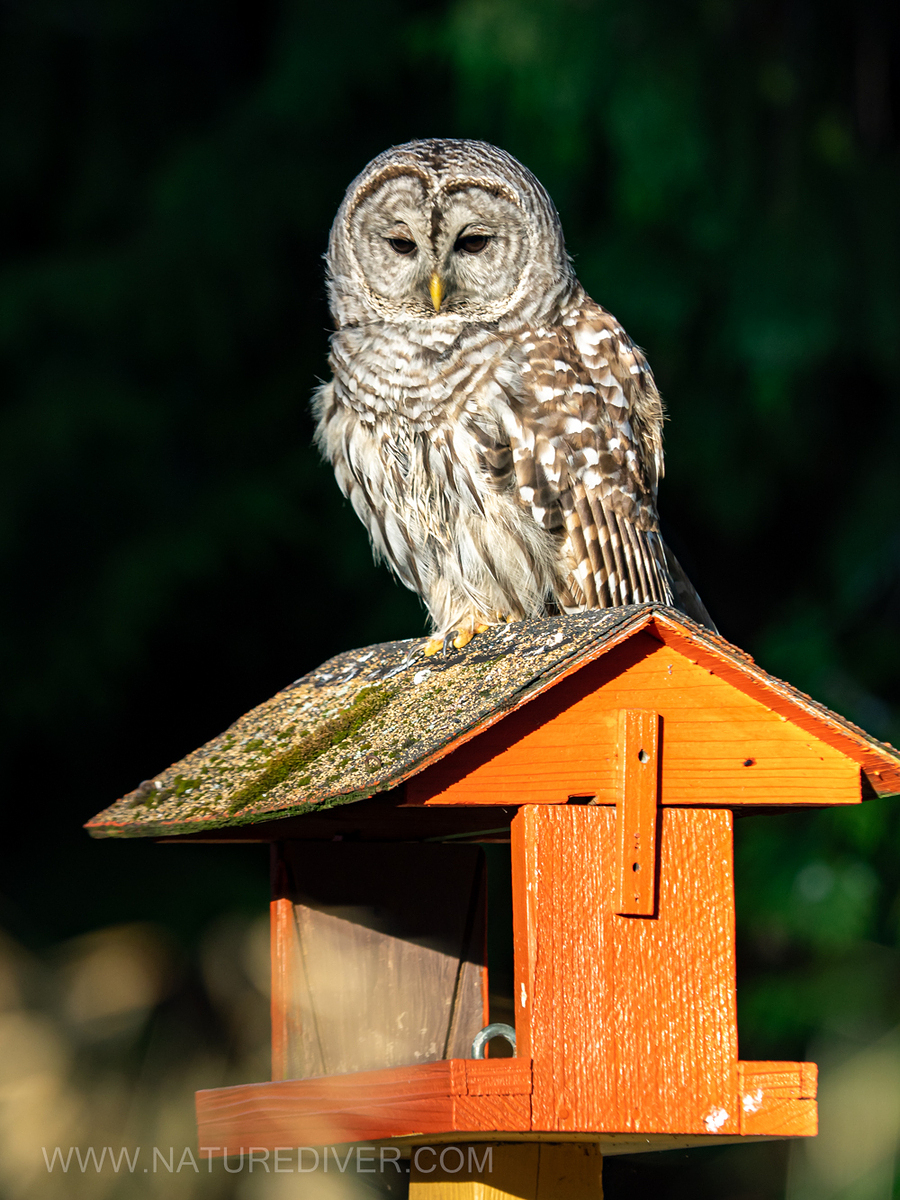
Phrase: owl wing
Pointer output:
(586, 443)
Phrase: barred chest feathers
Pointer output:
(423, 454)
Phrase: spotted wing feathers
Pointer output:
(589, 457)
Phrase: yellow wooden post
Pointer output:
(508, 1171)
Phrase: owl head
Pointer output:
(446, 232)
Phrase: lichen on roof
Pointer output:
(368, 719)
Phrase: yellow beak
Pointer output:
(437, 291)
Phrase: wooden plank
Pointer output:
(723, 747)
(433, 1101)
(523, 865)
(380, 958)
(504, 1114)
(510, 1172)
(363, 1106)
(799, 1080)
(368, 1105)
(280, 1124)
(630, 1021)
(636, 812)
(322, 1112)
(498, 1077)
(778, 1098)
(285, 966)
(782, 1116)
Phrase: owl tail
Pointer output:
(686, 597)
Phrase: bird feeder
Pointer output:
(612, 750)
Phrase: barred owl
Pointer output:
(496, 430)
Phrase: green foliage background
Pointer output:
(727, 174)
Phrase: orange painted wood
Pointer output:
(285, 964)
(497, 1077)
(630, 1022)
(444, 1098)
(523, 866)
(740, 670)
(722, 746)
(270, 1119)
(503, 1113)
(636, 812)
(778, 1098)
(368, 1105)
(782, 1117)
(799, 1080)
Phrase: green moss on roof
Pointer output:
(288, 765)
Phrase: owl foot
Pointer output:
(456, 639)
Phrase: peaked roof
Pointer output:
(367, 720)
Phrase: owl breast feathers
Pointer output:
(496, 431)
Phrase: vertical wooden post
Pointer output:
(510, 1171)
(629, 1021)
(636, 813)
(283, 940)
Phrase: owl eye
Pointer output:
(472, 243)
(402, 245)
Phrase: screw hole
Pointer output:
(643, 756)
(635, 866)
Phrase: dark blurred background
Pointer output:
(728, 175)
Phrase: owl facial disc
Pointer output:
(444, 232)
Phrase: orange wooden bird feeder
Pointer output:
(611, 750)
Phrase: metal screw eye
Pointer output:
(496, 1029)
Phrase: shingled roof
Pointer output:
(367, 720)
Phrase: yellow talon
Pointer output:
(457, 638)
